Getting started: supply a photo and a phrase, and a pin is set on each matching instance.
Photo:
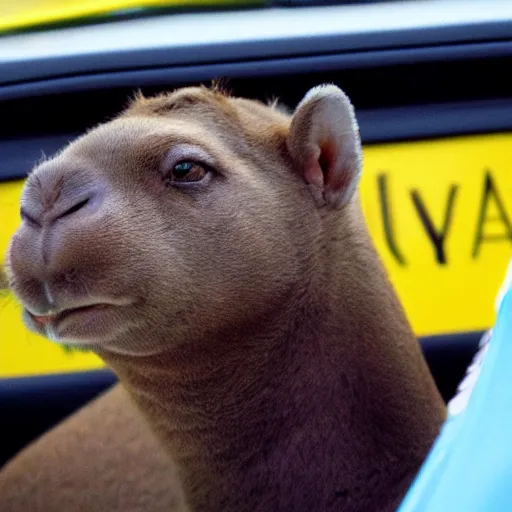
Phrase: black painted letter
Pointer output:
(436, 237)
(490, 191)
(386, 218)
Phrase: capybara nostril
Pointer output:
(75, 208)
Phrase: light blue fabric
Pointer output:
(469, 468)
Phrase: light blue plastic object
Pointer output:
(469, 468)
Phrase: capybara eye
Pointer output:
(186, 172)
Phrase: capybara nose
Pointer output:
(74, 202)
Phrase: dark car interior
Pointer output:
(405, 84)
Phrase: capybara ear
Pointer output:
(325, 144)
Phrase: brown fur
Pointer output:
(250, 317)
(3, 280)
(103, 459)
